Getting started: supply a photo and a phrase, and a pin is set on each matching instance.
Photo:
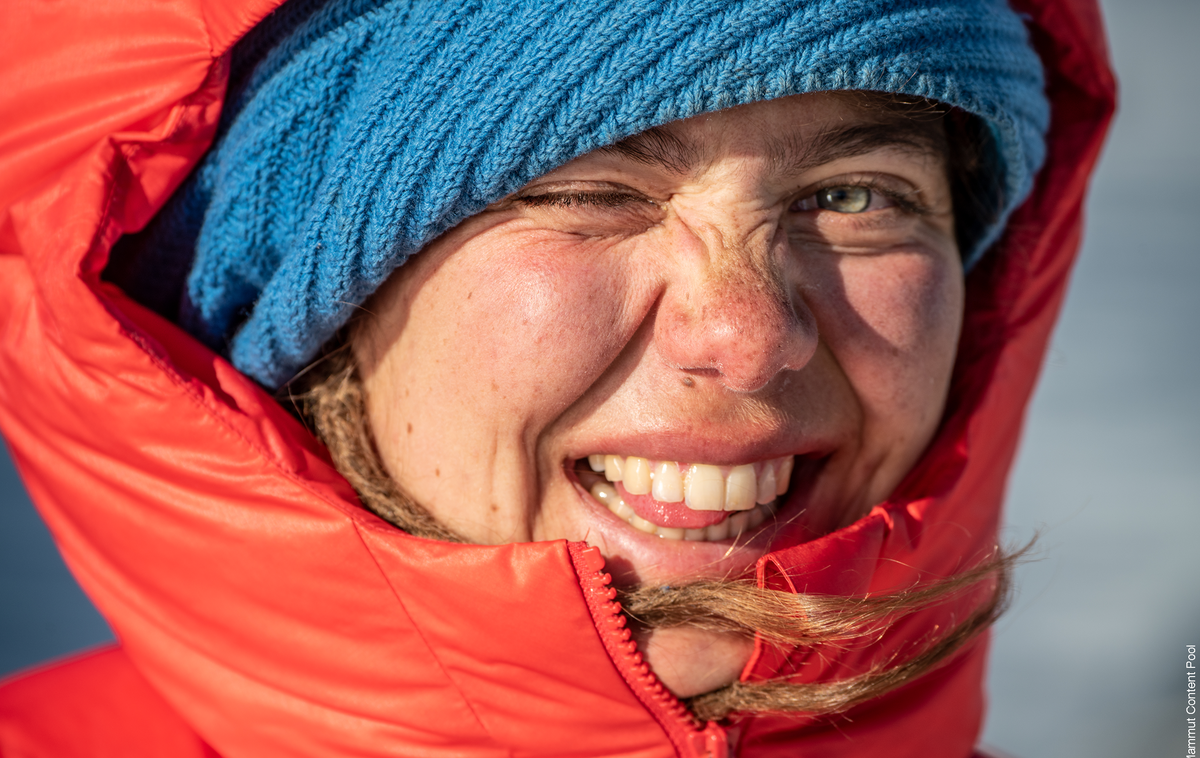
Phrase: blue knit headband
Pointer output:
(366, 128)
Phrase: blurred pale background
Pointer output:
(1090, 660)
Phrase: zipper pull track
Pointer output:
(690, 737)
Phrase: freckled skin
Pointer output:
(711, 316)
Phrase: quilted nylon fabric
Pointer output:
(261, 611)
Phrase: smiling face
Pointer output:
(635, 349)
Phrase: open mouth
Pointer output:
(687, 501)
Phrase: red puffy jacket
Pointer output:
(261, 612)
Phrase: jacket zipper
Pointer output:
(688, 735)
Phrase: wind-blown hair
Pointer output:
(330, 398)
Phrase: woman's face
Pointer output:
(695, 312)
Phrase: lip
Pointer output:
(635, 556)
(687, 447)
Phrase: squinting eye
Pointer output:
(581, 200)
(844, 199)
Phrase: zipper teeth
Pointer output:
(679, 722)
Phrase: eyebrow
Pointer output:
(658, 148)
(789, 155)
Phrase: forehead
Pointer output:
(792, 134)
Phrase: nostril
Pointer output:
(743, 350)
(734, 321)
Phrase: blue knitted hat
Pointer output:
(360, 130)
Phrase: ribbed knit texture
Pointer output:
(358, 131)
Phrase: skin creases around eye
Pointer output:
(602, 211)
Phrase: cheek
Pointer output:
(527, 325)
(912, 304)
(480, 350)
(892, 323)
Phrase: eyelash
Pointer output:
(617, 200)
(572, 199)
(904, 201)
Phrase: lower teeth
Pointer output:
(733, 526)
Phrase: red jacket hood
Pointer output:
(271, 613)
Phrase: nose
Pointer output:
(728, 311)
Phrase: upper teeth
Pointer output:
(700, 486)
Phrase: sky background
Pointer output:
(1089, 662)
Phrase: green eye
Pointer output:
(844, 199)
